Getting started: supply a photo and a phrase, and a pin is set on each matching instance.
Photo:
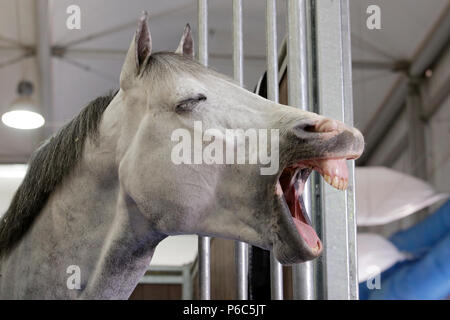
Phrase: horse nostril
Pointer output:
(310, 128)
(326, 125)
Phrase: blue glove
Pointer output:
(427, 275)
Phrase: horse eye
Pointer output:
(189, 104)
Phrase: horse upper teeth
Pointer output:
(337, 182)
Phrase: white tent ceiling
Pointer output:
(405, 25)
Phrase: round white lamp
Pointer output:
(23, 112)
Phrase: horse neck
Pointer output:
(89, 222)
(123, 237)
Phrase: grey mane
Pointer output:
(48, 166)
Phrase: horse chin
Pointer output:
(295, 238)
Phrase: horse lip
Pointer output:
(301, 247)
(288, 223)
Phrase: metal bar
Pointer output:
(431, 48)
(162, 279)
(204, 243)
(378, 126)
(44, 64)
(353, 287)
(334, 91)
(187, 283)
(394, 66)
(433, 105)
(416, 132)
(241, 248)
(298, 96)
(276, 270)
(84, 53)
(10, 41)
(14, 60)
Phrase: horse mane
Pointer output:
(48, 166)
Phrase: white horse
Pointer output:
(103, 192)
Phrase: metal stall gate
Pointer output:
(319, 79)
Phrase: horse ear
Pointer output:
(139, 51)
(186, 46)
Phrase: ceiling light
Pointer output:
(23, 112)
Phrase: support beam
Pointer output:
(379, 125)
(416, 133)
(44, 66)
(428, 53)
(394, 66)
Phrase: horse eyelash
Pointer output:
(189, 104)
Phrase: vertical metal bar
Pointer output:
(347, 85)
(241, 248)
(44, 64)
(202, 16)
(187, 282)
(298, 96)
(416, 132)
(204, 272)
(334, 90)
(238, 70)
(276, 270)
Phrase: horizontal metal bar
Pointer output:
(154, 279)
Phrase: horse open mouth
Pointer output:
(291, 185)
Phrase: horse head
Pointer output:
(177, 158)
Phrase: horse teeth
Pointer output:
(335, 182)
(327, 178)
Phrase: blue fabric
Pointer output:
(427, 275)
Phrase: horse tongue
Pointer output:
(334, 171)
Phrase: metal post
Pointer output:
(241, 248)
(44, 64)
(204, 272)
(416, 133)
(187, 282)
(334, 91)
(276, 270)
(298, 96)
